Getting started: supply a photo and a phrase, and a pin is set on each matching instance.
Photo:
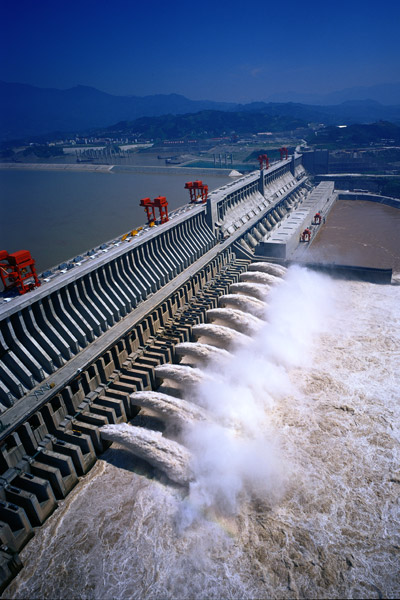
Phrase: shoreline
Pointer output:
(55, 167)
(111, 168)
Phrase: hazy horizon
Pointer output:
(280, 97)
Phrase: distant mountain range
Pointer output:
(384, 93)
(203, 124)
(27, 111)
(367, 111)
(357, 135)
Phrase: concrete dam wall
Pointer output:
(43, 330)
(40, 333)
(73, 350)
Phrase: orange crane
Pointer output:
(198, 191)
(306, 235)
(17, 271)
(261, 159)
(284, 152)
(150, 205)
(161, 203)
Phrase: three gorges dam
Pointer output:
(121, 336)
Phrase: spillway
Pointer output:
(260, 277)
(265, 267)
(221, 336)
(246, 304)
(236, 319)
(202, 353)
(256, 290)
(164, 454)
(179, 375)
(172, 409)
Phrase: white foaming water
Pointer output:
(219, 335)
(166, 455)
(327, 523)
(201, 353)
(235, 319)
(247, 304)
(238, 453)
(256, 290)
(266, 267)
(172, 409)
(260, 277)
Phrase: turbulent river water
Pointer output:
(302, 499)
(295, 482)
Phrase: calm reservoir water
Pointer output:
(58, 215)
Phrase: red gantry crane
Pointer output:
(261, 159)
(284, 152)
(317, 218)
(198, 191)
(17, 271)
(150, 205)
(161, 203)
(149, 209)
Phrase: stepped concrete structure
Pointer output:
(77, 306)
(73, 350)
(285, 239)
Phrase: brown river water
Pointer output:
(360, 233)
(297, 478)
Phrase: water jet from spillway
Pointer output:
(235, 319)
(220, 336)
(260, 277)
(181, 376)
(247, 304)
(166, 455)
(256, 290)
(196, 353)
(265, 267)
(172, 409)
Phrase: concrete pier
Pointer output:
(285, 242)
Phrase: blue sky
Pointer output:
(233, 51)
